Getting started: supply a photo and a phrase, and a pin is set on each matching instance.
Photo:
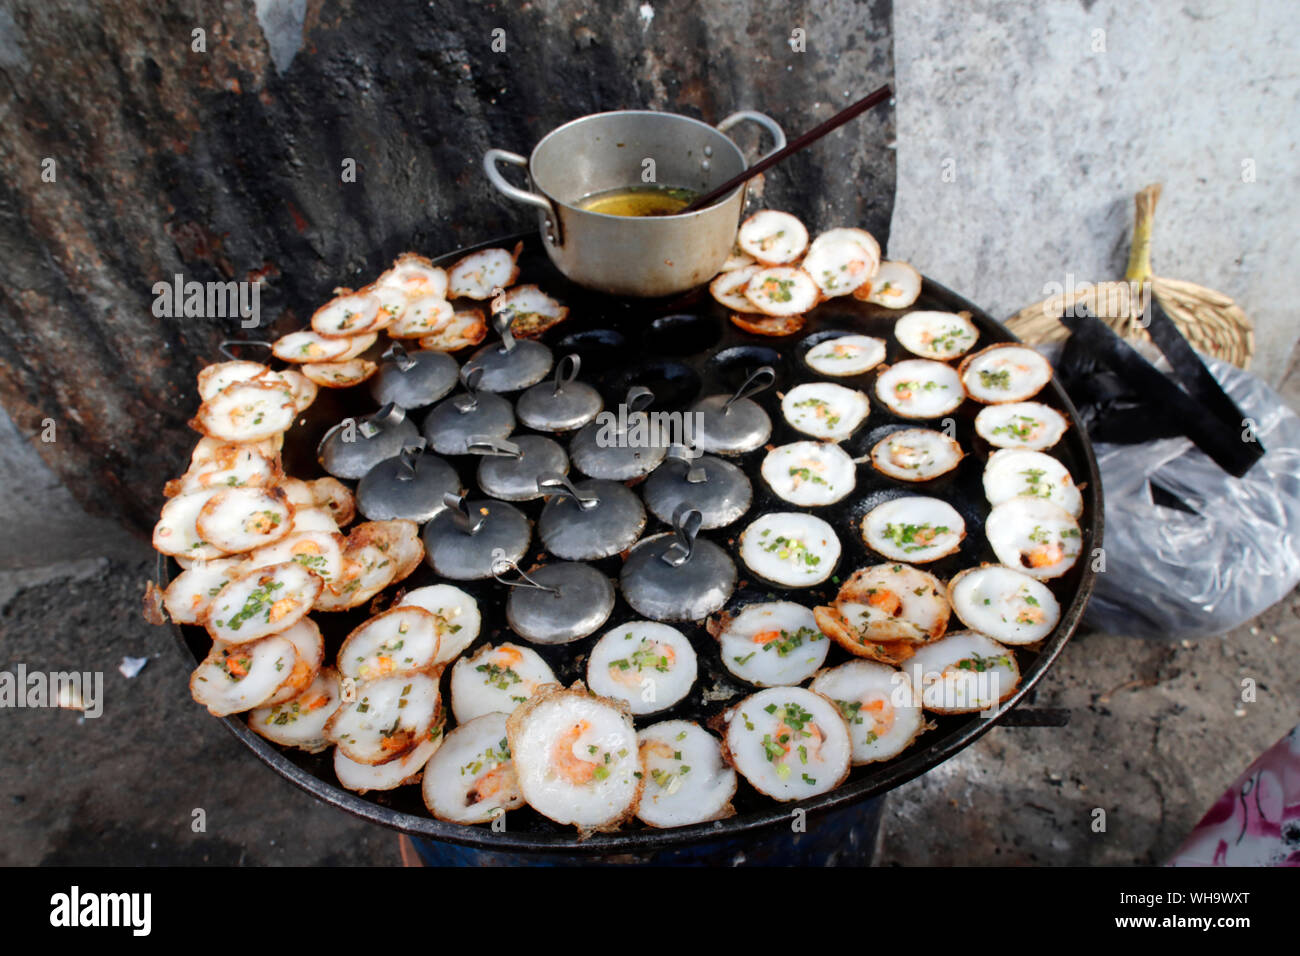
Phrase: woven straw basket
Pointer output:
(1212, 322)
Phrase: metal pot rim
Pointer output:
(532, 158)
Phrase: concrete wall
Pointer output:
(1053, 114)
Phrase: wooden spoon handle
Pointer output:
(814, 134)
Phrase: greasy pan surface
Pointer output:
(683, 349)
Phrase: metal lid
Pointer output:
(562, 404)
(465, 540)
(556, 603)
(511, 470)
(620, 447)
(452, 423)
(588, 521)
(409, 485)
(735, 424)
(354, 446)
(717, 489)
(510, 364)
(413, 379)
(676, 576)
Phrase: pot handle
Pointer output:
(490, 160)
(762, 119)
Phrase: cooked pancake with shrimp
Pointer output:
(335, 497)
(772, 237)
(471, 779)
(782, 291)
(809, 473)
(264, 601)
(392, 303)
(841, 260)
(236, 520)
(531, 310)
(920, 388)
(235, 678)
(963, 673)
(1014, 472)
(482, 274)
(891, 602)
(496, 679)
(366, 572)
(863, 238)
(647, 665)
(351, 313)
(188, 595)
(684, 778)
(396, 640)
(309, 646)
(1035, 536)
(456, 615)
(1003, 603)
(771, 326)
(916, 454)
(340, 374)
(296, 491)
(728, 289)
(210, 450)
(880, 705)
(914, 528)
(304, 389)
(229, 466)
(465, 329)
(423, 316)
(789, 743)
(307, 346)
(377, 554)
(771, 645)
(936, 335)
(825, 410)
(576, 758)
(247, 412)
(1028, 425)
(176, 532)
(219, 378)
(845, 355)
(315, 519)
(416, 277)
(896, 285)
(398, 537)
(300, 721)
(406, 769)
(216, 378)
(790, 548)
(389, 717)
(1004, 373)
(837, 627)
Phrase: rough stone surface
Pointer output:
(1053, 115)
(122, 789)
(43, 523)
(226, 163)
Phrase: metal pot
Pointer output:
(627, 255)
